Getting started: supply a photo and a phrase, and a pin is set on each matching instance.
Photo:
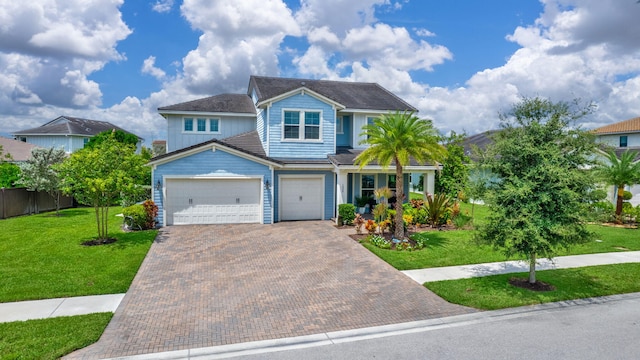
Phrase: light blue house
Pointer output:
(283, 151)
(66, 132)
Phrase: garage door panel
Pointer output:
(213, 201)
(301, 198)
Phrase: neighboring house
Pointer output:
(66, 132)
(19, 151)
(285, 150)
(622, 136)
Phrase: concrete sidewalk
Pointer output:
(43, 309)
(422, 276)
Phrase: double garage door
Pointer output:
(213, 201)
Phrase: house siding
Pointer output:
(260, 126)
(329, 193)
(67, 142)
(212, 164)
(301, 149)
(359, 121)
(344, 139)
(633, 139)
(229, 126)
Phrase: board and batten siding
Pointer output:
(228, 125)
(212, 164)
(301, 149)
(359, 121)
(261, 128)
(329, 190)
(69, 143)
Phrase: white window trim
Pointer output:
(302, 126)
(207, 125)
(375, 181)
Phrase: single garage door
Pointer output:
(301, 198)
(213, 201)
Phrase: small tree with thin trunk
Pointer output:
(97, 177)
(39, 174)
(620, 172)
(396, 138)
(539, 161)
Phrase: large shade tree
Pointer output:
(538, 201)
(620, 172)
(397, 138)
(39, 173)
(98, 176)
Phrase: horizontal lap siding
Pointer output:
(329, 193)
(229, 126)
(213, 164)
(301, 149)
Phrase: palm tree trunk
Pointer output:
(619, 201)
(399, 233)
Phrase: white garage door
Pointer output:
(213, 201)
(301, 198)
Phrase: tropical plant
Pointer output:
(358, 222)
(371, 226)
(380, 212)
(38, 172)
(396, 138)
(437, 207)
(383, 194)
(347, 213)
(620, 172)
(538, 203)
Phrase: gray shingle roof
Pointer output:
(481, 140)
(67, 125)
(223, 103)
(347, 156)
(353, 95)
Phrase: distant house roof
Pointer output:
(353, 95)
(481, 140)
(19, 150)
(627, 126)
(67, 125)
(224, 103)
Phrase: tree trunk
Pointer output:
(619, 201)
(97, 209)
(532, 269)
(399, 233)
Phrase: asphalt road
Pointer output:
(587, 329)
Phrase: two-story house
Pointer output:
(622, 136)
(66, 132)
(285, 150)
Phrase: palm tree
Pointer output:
(620, 172)
(397, 138)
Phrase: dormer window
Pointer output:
(302, 125)
(623, 141)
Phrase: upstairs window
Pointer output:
(340, 125)
(201, 125)
(369, 122)
(623, 141)
(301, 125)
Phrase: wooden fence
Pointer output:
(20, 201)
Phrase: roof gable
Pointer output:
(352, 95)
(627, 126)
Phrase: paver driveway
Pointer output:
(203, 286)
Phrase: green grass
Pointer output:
(41, 256)
(449, 248)
(50, 338)
(494, 292)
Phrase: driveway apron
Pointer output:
(209, 285)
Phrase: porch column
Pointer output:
(341, 190)
(429, 182)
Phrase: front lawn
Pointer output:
(494, 292)
(457, 247)
(41, 256)
(50, 338)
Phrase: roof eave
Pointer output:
(205, 113)
(302, 89)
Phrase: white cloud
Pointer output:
(148, 67)
(337, 15)
(162, 6)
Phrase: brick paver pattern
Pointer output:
(209, 285)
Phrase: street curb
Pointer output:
(344, 336)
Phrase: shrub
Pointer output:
(461, 220)
(421, 216)
(416, 203)
(438, 207)
(347, 212)
(371, 226)
(597, 195)
(602, 211)
(627, 195)
(137, 213)
(151, 210)
(380, 211)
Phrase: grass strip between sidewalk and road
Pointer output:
(50, 338)
(495, 292)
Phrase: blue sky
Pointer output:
(459, 62)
